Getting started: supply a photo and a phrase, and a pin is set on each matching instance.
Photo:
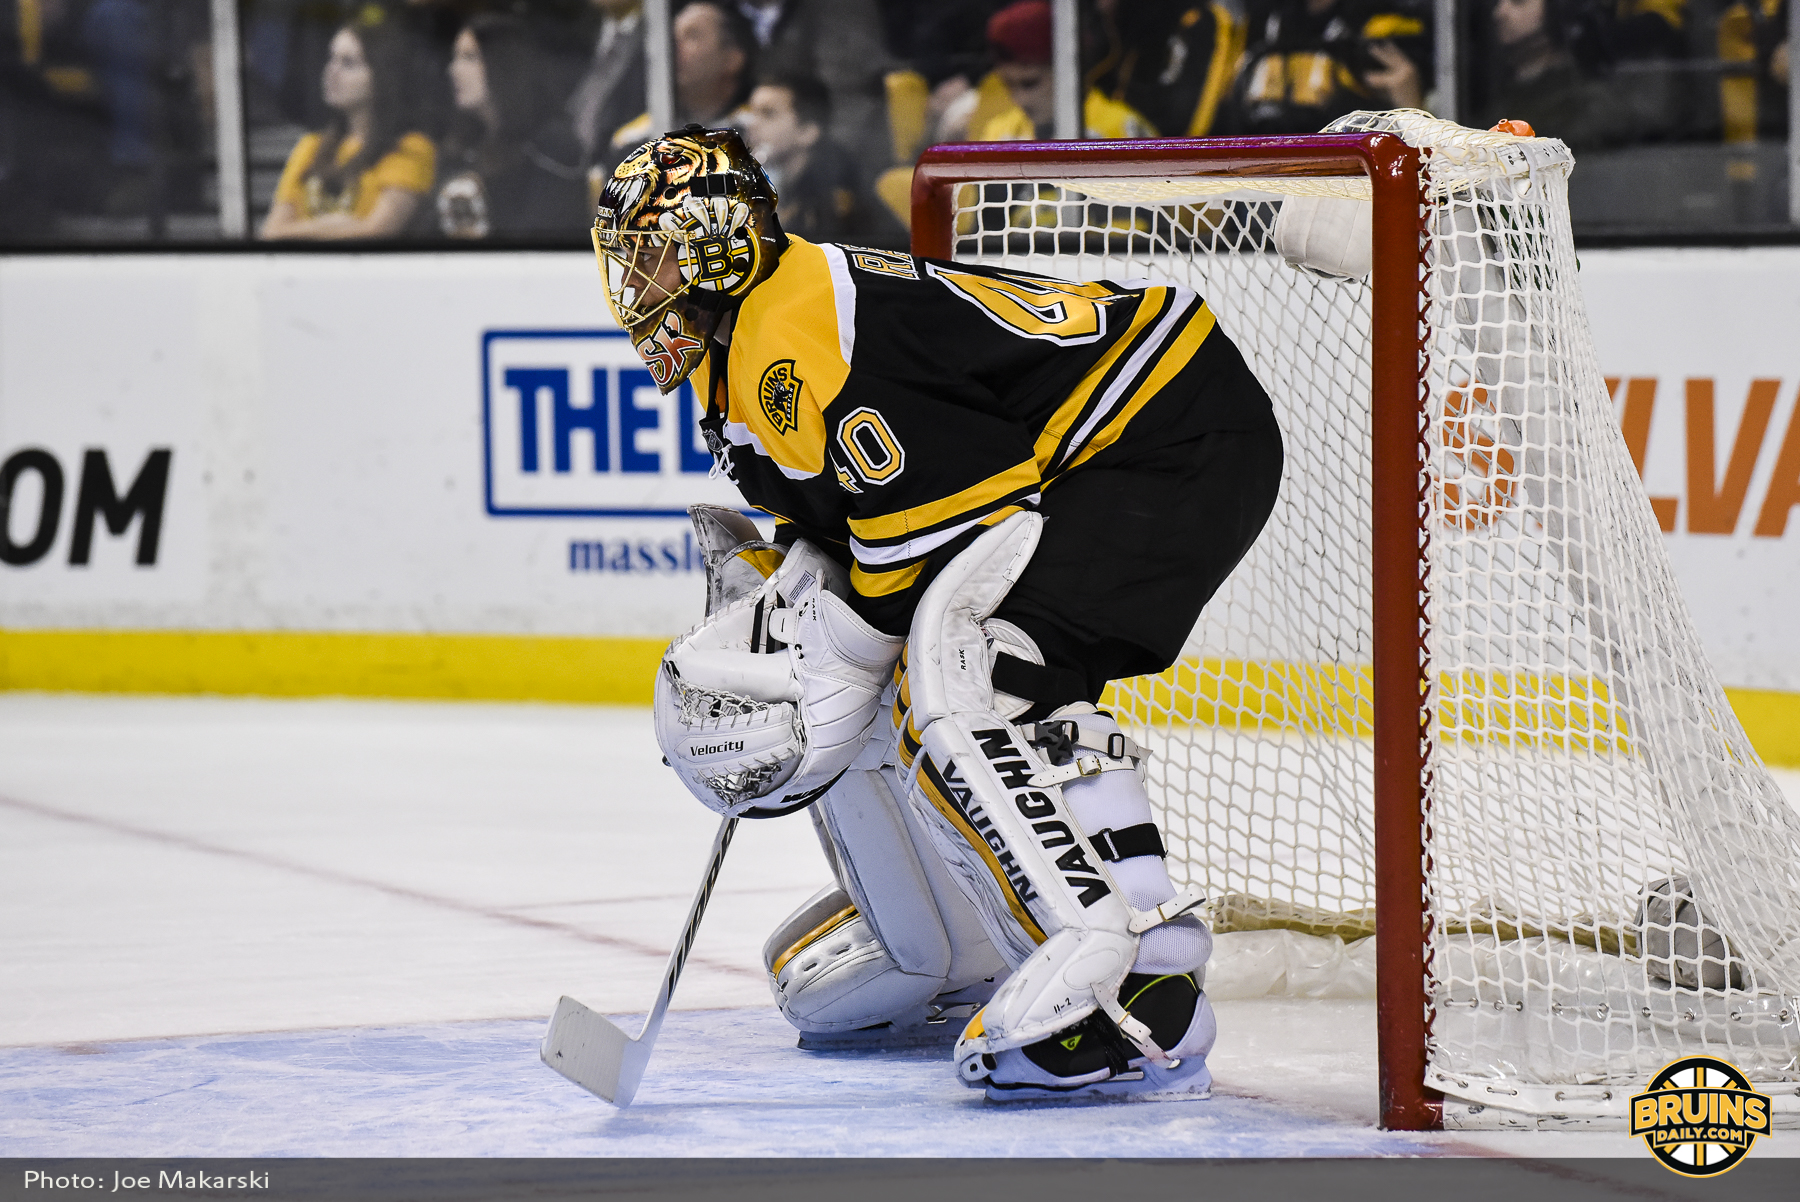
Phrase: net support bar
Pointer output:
(1398, 463)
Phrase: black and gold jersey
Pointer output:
(889, 406)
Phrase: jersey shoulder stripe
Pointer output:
(1181, 349)
(790, 355)
(843, 298)
(1148, 353)
(1053, 441)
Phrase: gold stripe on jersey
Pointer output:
(1068, 414)
(777, 405)
(902, 699)
(1181, 349)
(881, 584)
(1019, 480)
(1143, 359)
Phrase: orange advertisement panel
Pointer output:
(1701, 349)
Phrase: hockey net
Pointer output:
(1609, 877)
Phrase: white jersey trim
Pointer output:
(1181, 303)
(738, 434)
(912, 548)
(843, 295)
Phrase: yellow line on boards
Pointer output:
(1772, 720)
(279, 663)
(1240, 695)
(1514, 708)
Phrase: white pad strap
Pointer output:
(1135, 1031)
(1087, 764)
(1185, 902)
(1102, 733)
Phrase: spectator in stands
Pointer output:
(1311, 61)
(939, 38)
(286, 44)
(511, 167)
(611, 91)
(429, 28)
(1651, 36)
(822, 197)
(365, 173)
(1171, 60)
(1645, 29)
(1778, 58)
(52, 126)
(1017, 100)
(941, 46)
(121, 42)
(838, 42)
(1541, 83)
(151, 62)
(714, 53)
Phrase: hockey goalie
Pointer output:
(994, 493)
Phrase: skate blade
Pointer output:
(1092, 1094)
(1127, 1087)
(883, 1038)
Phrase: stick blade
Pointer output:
(592, 1052)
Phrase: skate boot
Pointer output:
(1092, 1059)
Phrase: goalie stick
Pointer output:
(592, 1051)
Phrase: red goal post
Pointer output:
(1399, 498)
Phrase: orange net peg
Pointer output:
(1518, 129)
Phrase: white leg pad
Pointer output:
(1014, 842)
(834, 975)
(881, 871)
(1035, 881)
(903, 936)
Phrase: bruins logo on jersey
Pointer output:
(779, 392)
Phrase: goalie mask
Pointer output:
(685, 228)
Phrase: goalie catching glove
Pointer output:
(763, 705)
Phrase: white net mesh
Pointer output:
(1615, 879)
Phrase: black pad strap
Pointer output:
(1140, 840)
(1035, 682)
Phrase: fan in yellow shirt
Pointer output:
(361, 177)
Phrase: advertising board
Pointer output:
(398, 447)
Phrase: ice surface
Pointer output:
(172, 867)
(333, 927)
(722, 1083)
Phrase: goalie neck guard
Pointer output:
(684, 229)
